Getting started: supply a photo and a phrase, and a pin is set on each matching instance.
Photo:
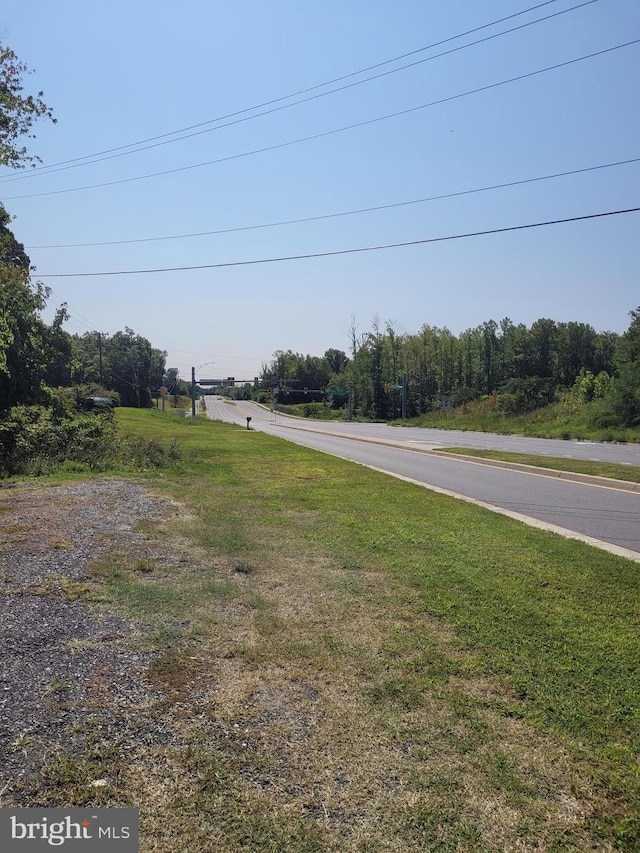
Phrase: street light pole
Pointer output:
(193, 386)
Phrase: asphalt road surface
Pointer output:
(605, 515)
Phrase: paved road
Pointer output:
(605, 516)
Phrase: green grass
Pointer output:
(628, 473)
(353, 663)
(557, 420)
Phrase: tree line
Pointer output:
(516, 367)
(36, 356)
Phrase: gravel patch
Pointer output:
(65, 663)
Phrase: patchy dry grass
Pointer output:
(310, 722)
(347, 663)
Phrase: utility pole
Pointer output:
(193, 392)
(404, 396)
(100, 356)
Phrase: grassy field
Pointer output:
(554, 421)
(353, 663)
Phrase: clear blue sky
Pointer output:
(119, 72)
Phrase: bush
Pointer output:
(518, 396)
(623, 400)
(36, 440)
(140, 453)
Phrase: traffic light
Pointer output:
(232, 382)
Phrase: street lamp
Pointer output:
(193, 386)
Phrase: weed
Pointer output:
(172, 671)
(77, 645)
(68, 779)
(144, 566)
(56, 685)
(21, 743)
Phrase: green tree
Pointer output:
(359, 373)
(26, 349)
(132, 367)
(470, 361)
(313, 372)
(605, 346)
(421, 382)
(625, 389)
(336, 359)
(171, 379)
(85, 359)
(57, 349)
(18, 112)
(489, 355)
(282, 366)
(576, 351)
(22, 350)
(512, 354)
(542, 349)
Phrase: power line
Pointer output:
(335, 131)
(52, 169)
(216, 355)
(90, 327)
(69, 322)
(53, 166)
(345, 212)
(345, 251)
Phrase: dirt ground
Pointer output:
(63, 661)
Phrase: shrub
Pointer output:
(37, 439)
(136, 451)
(33, 439)
(518, 396)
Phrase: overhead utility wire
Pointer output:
(63, 168)
(343, 251)
(342, 213)
(69, 322)
(52, 166)
(337, 130)
(77, 314)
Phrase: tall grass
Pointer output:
(555, 421)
